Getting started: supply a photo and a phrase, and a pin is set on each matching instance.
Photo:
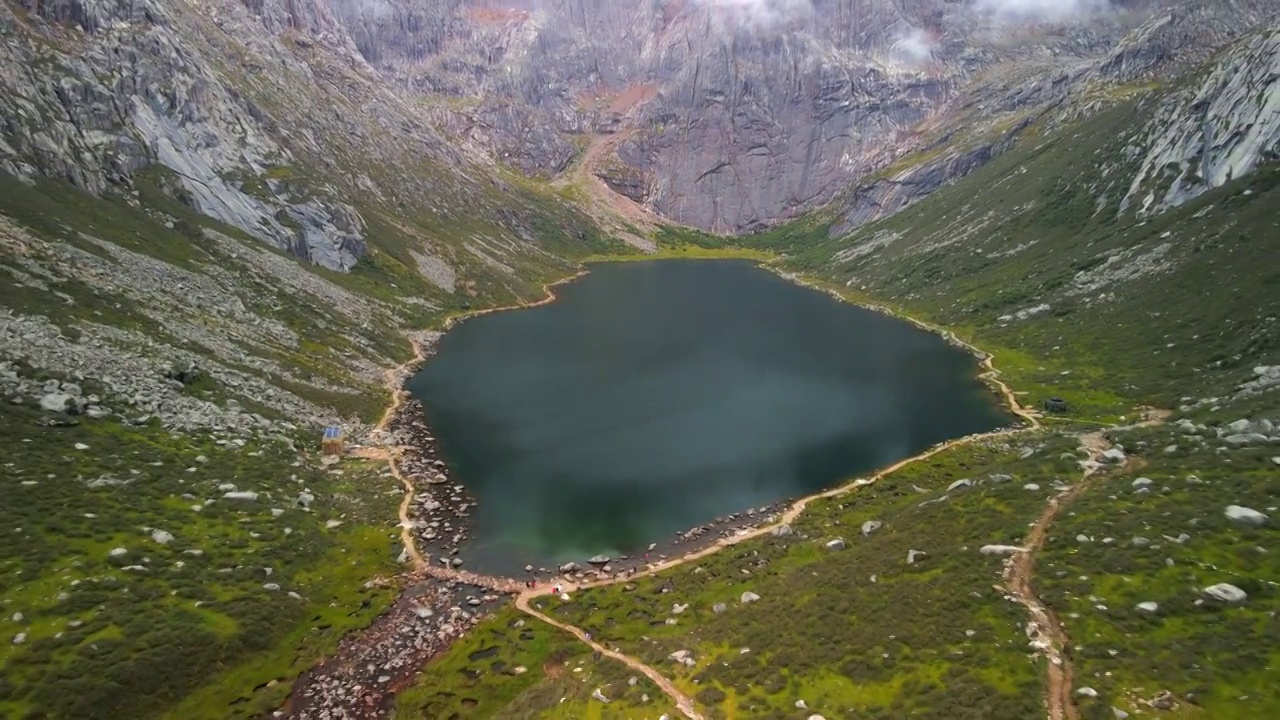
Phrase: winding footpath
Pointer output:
(1044, 628)
(683, 702)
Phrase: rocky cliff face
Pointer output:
(738, 114)
(146, 147)
(98, 91)
(1221, 129)
(264, 113)
(732, 115)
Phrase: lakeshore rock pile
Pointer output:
(372, 665)
(440, 507)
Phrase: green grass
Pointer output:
(514, 666)
(146, 639)
(1223, 658)
(685, 252)
(193, 641)
(204, 638)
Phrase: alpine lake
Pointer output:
(651, 397)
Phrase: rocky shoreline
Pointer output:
(440, 507)
(360, 680)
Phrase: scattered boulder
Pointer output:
(960, 484)
(1163, 700)
(913, 554)
(1148, 607)
(871, 526)
(1087, 691)
(1245, 516)
(783, 530)
(117, 552)
(1226, 593)
(1031, 487)
(1000, 479)
(1114, 456)
(184, 372)
(599, 560)
(271, 587)
(597, 695)
(56, 402)
(1246, 440)
(246, 495)
(1143, 482)
(749, 597)
(837, 544)
(719, 608)
(569, 567)
(162, 537)
(1001, 549)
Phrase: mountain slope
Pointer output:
(217, 227)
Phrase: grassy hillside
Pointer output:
(102, 620)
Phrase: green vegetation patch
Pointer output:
(129, 580)
(1158, 533)
(513, 666)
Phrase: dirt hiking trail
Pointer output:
(1044, 629)
(683, 702)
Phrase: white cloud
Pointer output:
(1042, 9)
(916, 46)
(763, 13)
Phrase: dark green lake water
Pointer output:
(652, 397)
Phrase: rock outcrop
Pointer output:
(1220, 130)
